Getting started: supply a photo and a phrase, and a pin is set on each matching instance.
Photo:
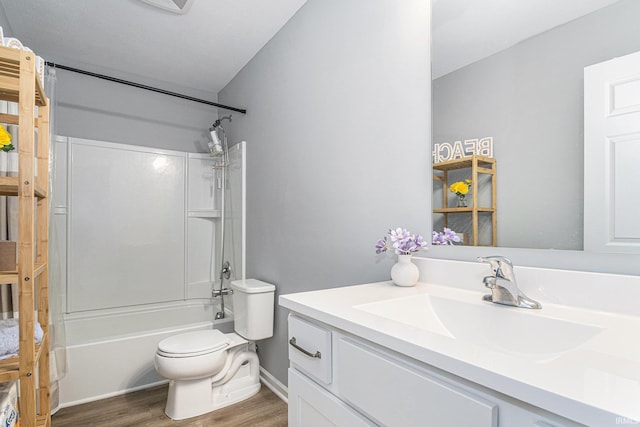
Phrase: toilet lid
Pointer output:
(194, 342)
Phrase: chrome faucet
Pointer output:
(503, 285)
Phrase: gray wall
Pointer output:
(87, 107)
(530, 99)
(4, 23)
(337, 136)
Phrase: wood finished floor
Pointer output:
(146, 408)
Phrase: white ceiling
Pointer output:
(200, 50)
(204, 49)
(465, 31)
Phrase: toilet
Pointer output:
(208, 369)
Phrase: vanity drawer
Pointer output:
(310, 348)
(396, 393)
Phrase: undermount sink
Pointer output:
(521, 332)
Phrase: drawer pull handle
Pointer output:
(317, 354)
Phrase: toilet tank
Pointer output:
(253, 306)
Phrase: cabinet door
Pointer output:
(396, 393)
(312, 406)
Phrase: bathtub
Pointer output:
(110, 352)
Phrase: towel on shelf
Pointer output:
(9, 343)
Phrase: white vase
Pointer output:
(404, 272)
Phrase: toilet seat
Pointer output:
(191, 344)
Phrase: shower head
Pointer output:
(215, 145)
(217, 123)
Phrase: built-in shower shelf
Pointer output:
(204, 213)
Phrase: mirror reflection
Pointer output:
(508, 115)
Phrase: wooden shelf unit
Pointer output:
(19, 82)
(478, 165)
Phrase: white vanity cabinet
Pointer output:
(311, 402)
(312, 406)
(337, 379)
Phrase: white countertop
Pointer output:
(595, 382)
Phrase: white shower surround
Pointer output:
(110, 350)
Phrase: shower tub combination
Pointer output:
(142, 233)
(113, 353)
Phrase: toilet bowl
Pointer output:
(208, 369)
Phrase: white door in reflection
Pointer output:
(612, 155)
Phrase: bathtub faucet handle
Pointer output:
(224, 291)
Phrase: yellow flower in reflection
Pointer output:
(5, 139)
(461, 187)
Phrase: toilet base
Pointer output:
(191, 398)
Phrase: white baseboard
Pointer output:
(274, 385)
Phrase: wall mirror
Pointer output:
(511, 73)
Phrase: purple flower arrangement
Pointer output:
(446, 237)
(402, 241)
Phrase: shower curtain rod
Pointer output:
(140, 86)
